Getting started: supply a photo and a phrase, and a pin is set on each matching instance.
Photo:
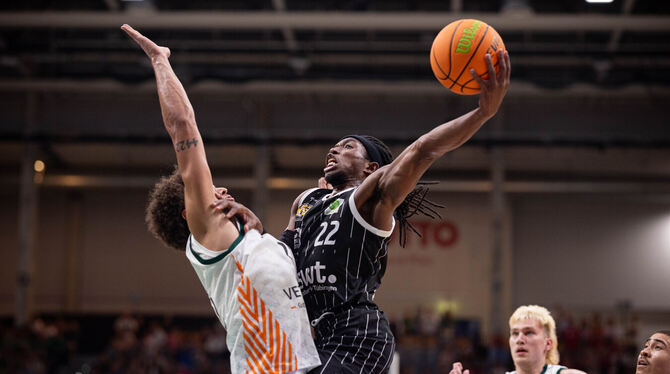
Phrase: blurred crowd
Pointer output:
(428, 343)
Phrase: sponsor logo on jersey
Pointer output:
(334, 207)
(314, 274)
(292, 292)
(303, 210)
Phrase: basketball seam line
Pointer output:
(437, 62)
(451, 44)
(464, 85)
(480, 75)
(472, 56)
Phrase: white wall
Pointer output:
(452, 271)
(592, 251)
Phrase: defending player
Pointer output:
(532, 342)
(249, 278)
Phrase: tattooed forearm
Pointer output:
(185, 144)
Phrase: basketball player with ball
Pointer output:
(340, 236)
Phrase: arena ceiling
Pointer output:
(553, 43)
(589, 98)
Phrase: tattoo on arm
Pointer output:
(185, 144)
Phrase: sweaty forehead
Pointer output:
(662, 337)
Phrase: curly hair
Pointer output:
(163, 214)
(415, 202)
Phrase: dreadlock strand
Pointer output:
(415, 203)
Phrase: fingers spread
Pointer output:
(232, 211)
(224, 205)
(502, 63)
(477, 78)
(509, 65)
(503, 74)
(492, 69)
(218, 204)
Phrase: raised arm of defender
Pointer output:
(385, 189)
(179, 120)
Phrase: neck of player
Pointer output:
(530, 368)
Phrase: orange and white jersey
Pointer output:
(254, 291)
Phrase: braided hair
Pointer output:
(415, 202)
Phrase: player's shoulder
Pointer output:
(313, 193)
(307, 199)
(570, 371)
(556, 369)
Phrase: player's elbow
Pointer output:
(180, 121)
(425, 150)
(183, 120)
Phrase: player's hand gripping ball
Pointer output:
(460, 46)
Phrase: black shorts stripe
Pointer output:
(345, 347)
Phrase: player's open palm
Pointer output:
(494, 88)
(149, 47)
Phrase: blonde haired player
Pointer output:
(249, 277)
(532, 342)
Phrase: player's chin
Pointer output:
(520, 356)
(333, 177)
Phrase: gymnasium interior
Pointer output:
(561, 200)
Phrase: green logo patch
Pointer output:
(334, 206)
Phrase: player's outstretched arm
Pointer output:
(179, 121)
(393, 182)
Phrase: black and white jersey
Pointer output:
(341, 259)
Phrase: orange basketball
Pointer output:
(460, 46)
